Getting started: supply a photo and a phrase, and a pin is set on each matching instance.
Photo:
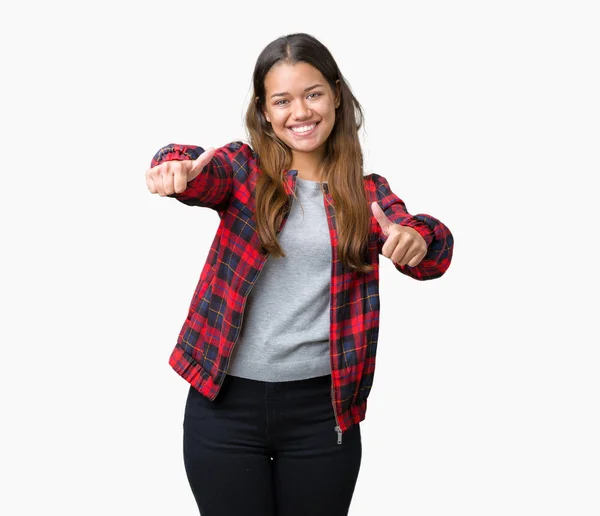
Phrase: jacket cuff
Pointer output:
(418, 224)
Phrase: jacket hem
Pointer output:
(354, 415)
(191, 371)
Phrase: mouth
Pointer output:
(304, 133)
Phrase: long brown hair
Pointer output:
(342, 166)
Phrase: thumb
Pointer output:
(381, 217)
(204, 158)
(199, 163)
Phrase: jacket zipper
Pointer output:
(337, 428)
(337, 424)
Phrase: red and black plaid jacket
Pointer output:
(236, 258)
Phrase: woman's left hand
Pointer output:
(404, 245)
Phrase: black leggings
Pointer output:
(269, 449)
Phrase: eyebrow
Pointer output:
(286, 93)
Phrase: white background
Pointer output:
(482, 114)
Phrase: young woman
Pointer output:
(272, 419)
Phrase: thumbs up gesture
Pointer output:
(173, 176)
(403, 245)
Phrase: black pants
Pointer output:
(269, 449)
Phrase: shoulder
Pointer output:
(238, 157)
(376, 185)
(374, 180)
(238, 149)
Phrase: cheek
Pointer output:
(277, 120)
(332, 111)
(279, 127)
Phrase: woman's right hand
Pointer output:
(173, 176)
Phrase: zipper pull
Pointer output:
(339, 432)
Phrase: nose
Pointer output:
(301, 111)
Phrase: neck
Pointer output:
(307, 165)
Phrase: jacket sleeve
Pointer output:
(438, 237)
(211, 188)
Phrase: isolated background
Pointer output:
(483, 114)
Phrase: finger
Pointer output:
(416, 260)
(150, 182)
(413, 255)
(390, 245)
(402, 249)
(180, 178)
(154, 178)
(158, 181)
(172, 170)
(408, 255)
(381, 217)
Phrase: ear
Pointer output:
(264, 112)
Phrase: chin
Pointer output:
(305, 148)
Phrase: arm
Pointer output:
(438, 237)
(211, 188)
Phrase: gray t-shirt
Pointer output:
(285, 327)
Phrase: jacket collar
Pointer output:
(292, 175)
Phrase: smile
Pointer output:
(302, 131)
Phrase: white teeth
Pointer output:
(304, 128)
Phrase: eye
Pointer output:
(279, 102)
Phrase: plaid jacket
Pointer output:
(236, 258)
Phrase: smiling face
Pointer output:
(300, 105)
